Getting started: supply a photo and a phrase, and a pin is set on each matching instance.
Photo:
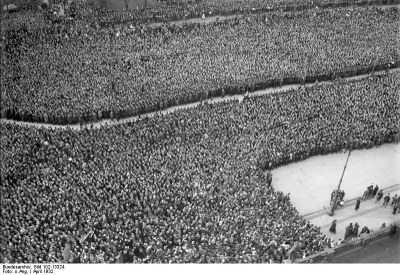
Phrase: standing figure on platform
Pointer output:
(365, 195)
(386, 200)
(349, 230)
(379, 196)
(355, 230)
(333, 227)
(342, 193)
(365, 229)
(358, 203)
(395, 208)
(370, 190)
(340, 198)
(393, 228)
(394, 200)
(333, 195)
(375, 191)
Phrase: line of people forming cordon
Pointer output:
(369, 193)
(185, 187)
(352, 231)
(73, 70)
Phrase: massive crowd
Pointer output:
(184, 187)
(74, 70)
(187, 9)
(189, 186)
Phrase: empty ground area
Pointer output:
(311, 182)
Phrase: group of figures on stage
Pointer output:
(371, 192)
(339, 198)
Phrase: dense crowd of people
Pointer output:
(189, 186)
(185, 187)
(188, 9)
(74, 70)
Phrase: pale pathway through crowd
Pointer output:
(106, 122)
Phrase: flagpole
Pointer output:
(334, 201)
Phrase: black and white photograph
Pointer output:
(210, 136)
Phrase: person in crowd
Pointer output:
(75, 71)
(178, 186)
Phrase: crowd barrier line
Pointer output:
(98, 115)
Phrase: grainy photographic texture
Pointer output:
(199, 131)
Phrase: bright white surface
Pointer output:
(311, 182)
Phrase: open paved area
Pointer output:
(311, 182)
